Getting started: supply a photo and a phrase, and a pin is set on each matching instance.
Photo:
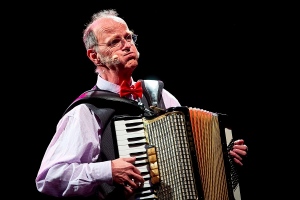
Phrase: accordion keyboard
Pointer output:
(132, 141)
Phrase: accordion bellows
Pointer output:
(210, 155)
(191, 147)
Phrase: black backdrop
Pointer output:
(211, 56)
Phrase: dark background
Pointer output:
(222, 57)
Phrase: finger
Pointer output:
(242, 147)
(137, 178)
(129, 159)
(238, 161)
(236, 158)
(139, 184)
(235, 155)
(240, 152)
(135, 181)
(239, 142)
(132, 184)
(136, 170)
(128, 189)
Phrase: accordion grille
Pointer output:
(173, 145)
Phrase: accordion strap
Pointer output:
(106, 99)
(152, 91)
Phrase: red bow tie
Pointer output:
(136, 90)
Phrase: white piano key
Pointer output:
(150, 196)
(147, 184)
(143, 168)
(146, 188)
(133, 149)
(132, 144)
(137, 141)
(144, 161)
(124, 135)
(127, 155)
(144, 194)
(121, 124)
(147, 176)
(132, 154)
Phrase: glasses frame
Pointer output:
(132, 37)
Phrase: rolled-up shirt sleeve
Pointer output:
(69, 166)
(169, 99)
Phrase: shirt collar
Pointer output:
(108, 86)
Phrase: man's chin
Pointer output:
(132, 63)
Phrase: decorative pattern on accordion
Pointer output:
(191, 152)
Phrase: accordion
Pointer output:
(189, 158)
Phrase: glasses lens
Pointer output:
(134, 37)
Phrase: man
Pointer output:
(71, 166)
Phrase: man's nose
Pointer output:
(127, 43)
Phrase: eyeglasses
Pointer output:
(119, 41)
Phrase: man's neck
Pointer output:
(116, 79)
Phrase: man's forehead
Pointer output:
(108, 24)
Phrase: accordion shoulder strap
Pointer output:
(152, 91)
(106, 99)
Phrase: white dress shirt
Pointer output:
(69, 164)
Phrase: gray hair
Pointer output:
(89, 38)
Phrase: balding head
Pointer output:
(104, 17)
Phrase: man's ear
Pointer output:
(92, 54)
